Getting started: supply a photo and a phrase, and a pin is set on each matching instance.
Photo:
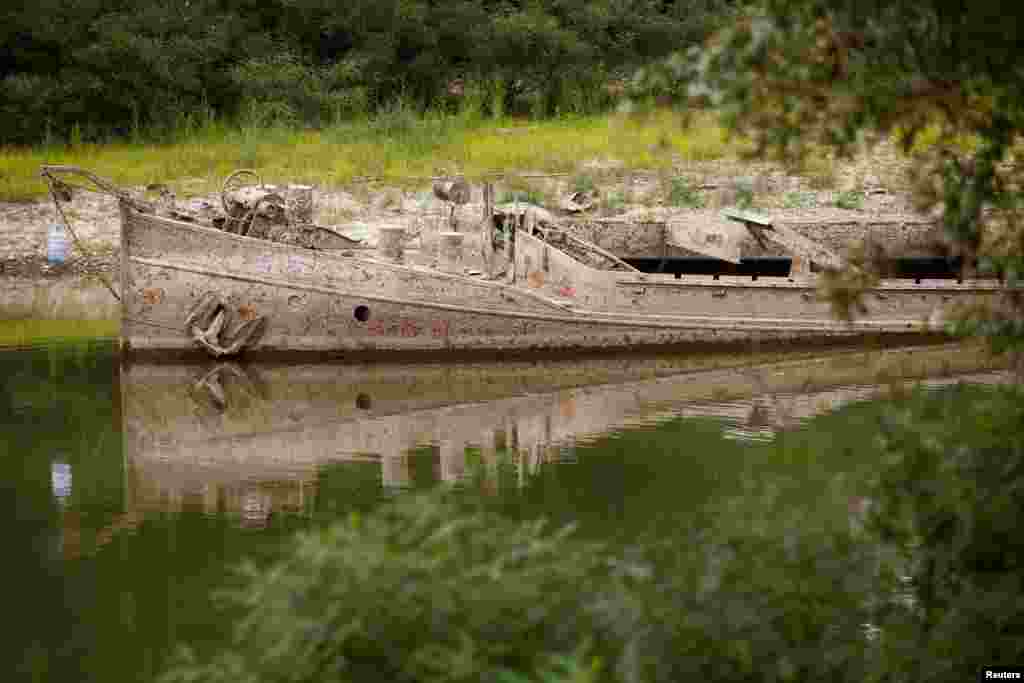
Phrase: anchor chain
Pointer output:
(209, 326)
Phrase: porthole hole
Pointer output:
(361, 313)
(363, 402)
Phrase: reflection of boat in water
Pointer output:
(257, 441)
(760, 418)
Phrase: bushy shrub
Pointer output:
(121, 67)
(426, 590)
(948, 498)
(283, 89)
(29, 109)
(419, 591)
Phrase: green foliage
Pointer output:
(575, 668)
(535, 197)
(669, 79)
(852, 200)
(682, 193)
(118, 68)
(583, 182)
(820, 173)
(800, 76)
(744, 194)
(947, 499)
(283, 89)
(420, 591)
(429, 590)
(798, 200)
(396, 120)
(845, 289)
(615, 200)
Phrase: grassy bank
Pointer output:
(15, 333)
(396, 143)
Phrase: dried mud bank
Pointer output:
(62, 297)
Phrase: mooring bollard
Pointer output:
(450, 248)
(391, 241)
(299, 203)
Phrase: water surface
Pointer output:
(130, 492)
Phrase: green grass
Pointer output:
(852, 200)
(744, 195)
(820, 171)
(535, 197)
(682, 193)
(933, 135)
(615, 201)
(29, 332)
(396, 143)
(584, 182)
(798, 200)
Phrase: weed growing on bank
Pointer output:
(682, 193)
(852, 200)
(798, 200)
(398, 142)
(744, 194)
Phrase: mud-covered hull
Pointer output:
(337, 303)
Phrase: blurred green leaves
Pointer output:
(800, 76)
(927, 583)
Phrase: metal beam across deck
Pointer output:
(761, 227)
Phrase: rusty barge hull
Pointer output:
(349, 303)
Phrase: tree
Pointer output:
(425, 589)
(947, 496)
(800, 75)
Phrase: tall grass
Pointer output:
(398, 141)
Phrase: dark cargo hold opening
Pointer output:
(780, 266)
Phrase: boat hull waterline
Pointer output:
(351, 302)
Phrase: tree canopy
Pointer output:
(109, 67)
(802, 76)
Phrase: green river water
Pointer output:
(128, 493)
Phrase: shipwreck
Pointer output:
(261, 278)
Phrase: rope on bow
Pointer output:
(62, 191)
